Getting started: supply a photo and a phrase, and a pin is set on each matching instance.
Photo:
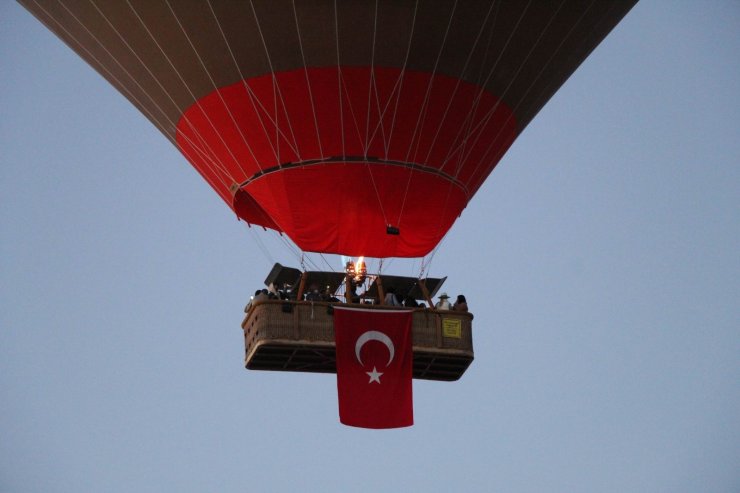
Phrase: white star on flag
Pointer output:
(374, 375)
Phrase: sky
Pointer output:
(601, 260)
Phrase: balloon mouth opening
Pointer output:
(331, 206)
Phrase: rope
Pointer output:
(215, 166)
(423, 111)
(248, 90)
(472, 113)
(197, 102)
(276, 93)
(215, 88)
(308, 81)
(529, 88)
(339, 76)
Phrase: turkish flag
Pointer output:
(374, 367)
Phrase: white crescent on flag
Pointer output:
(374, 335)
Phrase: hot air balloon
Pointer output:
(353, 127)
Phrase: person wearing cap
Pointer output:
(443, 303)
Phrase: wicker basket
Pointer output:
(299, 336)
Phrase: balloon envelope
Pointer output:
(333, 121)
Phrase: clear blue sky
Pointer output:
(601, 260)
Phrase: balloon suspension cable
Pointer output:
(326, 261)
(288, 245)
(422, 267)
(434, 252)
(260, 244)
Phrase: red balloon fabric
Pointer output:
(334, 169)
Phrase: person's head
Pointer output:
(460, 299)
(443, 297)
(391, 290)
(257, 292)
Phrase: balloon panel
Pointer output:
(412, 146)
(334, 207)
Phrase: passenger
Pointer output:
(258, 296)
(390, 297)
(261, 295)
(365, 298)
(313, 293)
(353, 294)
(443, 304)
(272, 292)
(460, 305)
(287, 292)
(328, 296)
(410, 302)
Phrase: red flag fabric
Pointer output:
(374, 367)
